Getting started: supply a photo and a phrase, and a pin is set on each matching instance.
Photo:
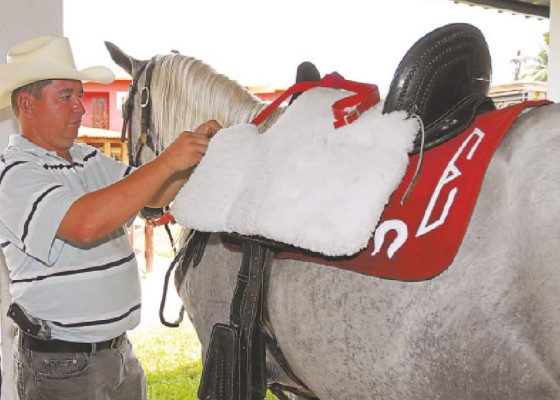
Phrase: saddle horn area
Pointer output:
(444, 79)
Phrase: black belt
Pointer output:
(61, 346)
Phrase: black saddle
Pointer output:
(443, 79)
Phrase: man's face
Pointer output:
(57, 115)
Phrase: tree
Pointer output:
(536, 67)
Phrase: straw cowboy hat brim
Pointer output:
(46, 57)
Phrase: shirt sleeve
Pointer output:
(117, 171)
(33, 203)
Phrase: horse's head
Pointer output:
(142, 146)
(174, 93)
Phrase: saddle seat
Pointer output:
(443, 79)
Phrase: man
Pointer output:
(64, 209)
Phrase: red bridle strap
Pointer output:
(164, 219)
(345, 110)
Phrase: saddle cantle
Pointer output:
(444, 79)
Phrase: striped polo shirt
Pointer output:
(85, 293)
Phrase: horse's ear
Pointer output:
(307, 72)
(122, 59)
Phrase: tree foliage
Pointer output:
(535, 67)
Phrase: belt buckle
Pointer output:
(351, 116)
(115, 342)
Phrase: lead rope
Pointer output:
(166, 283)
(162, 319)
(191, 252)
(170, 237)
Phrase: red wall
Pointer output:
(111, 93)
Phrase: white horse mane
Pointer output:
(186, 92)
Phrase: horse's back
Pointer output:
(486, 328)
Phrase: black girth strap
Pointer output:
(234, 368)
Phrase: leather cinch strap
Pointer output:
(345, 110)
(234, 368)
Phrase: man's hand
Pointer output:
(154, 184)
(209, 128)
(188, 148)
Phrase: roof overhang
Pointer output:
(539, 8)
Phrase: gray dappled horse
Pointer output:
(488, 327)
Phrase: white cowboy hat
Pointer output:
(45, 57)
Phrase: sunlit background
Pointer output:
(260, 43)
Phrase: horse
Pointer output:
(487, 327)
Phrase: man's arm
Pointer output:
(171, 187)
(154, 184)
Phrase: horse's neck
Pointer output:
(240, 110)
(231, 104)
(187, 99)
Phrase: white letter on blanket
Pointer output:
(450, 173)
(379, 236)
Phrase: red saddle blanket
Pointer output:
(419, 239)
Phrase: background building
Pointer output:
(512, 93)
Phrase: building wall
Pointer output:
(21, 20)
(115, 94)
(517, 92)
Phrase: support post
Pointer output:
(554, 53)
(149, 246)
(8, 331)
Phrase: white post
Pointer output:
(19, 20)
(8, 331)
(553, 87)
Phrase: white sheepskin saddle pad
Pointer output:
(302, 182)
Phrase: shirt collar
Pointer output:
(23, 144)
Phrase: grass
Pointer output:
(171, 360)
(171, 357)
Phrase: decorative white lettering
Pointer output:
(379, 236)
(450, 173)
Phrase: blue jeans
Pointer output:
(109, 374)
